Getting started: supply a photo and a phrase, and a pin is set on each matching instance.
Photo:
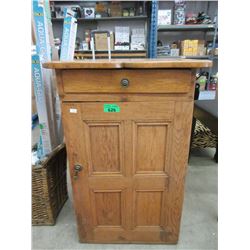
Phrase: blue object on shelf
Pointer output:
(153, 30)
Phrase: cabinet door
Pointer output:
(133, 160)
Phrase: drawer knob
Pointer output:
(124, 83)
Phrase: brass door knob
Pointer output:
(124, 83)
(77, 169)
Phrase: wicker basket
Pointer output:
(49, 187)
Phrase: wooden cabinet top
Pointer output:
(129, 64)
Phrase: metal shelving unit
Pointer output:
(103, 19)
(95, 22)
(187, 57)
(207, 95)
(153, 30)
(187, 27)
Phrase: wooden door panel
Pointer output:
(148, 208)
(105, 147)
(151, 141)
(107, 207)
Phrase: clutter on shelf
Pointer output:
(180, 16)
(193, 48)
(204, 84)
(187, 48)
(179, 12)
(98, 10)
(213, 82)
(122, 38)
(201, 18)
(164, 50)
(47, 103)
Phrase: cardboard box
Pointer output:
(138, 32)
(42, 108)
(101, 42)
(122, 35)
(121, 47)
(89, 12)
(137, 46)
(138, 39)
(193, 47)
(174, 52)
(68, 39)
(138, 42)
(164, 17)
(116, 9)
(49, 133)
(33, 100)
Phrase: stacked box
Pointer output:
(68, 39)
(164, 17)
(43, 49)
(42, 108)
(116, 9)
(193, 47)
(50, 30)
(138, 39)
(55, 56)
(122, 38)
(101, 42)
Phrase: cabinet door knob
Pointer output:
(77, 169)
(124, 83)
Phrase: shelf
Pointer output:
(207, 95)
(186, 57)
(191, 27)
(114, 54)
(103, 19)
(112, 51)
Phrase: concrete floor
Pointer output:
(198, 225)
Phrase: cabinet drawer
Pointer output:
(139, 81)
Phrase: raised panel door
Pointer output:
(131, 180)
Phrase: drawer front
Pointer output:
(127, 81)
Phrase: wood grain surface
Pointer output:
(131, 185)
(140, 81)
(129, 64)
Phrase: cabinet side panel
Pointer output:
(177, 171)
(59, 83)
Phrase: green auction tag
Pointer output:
(111, 108)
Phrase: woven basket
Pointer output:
(49, 187)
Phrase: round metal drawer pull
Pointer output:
(124, 83)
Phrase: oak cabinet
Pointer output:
(127, 145)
